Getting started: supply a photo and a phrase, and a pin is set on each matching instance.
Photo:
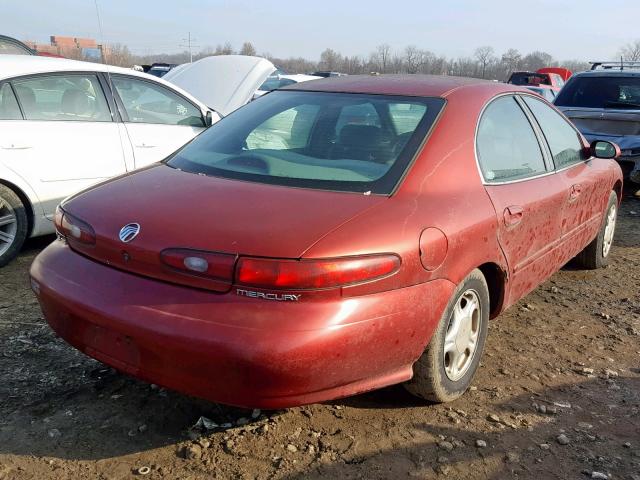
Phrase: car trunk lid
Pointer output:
(176, 209)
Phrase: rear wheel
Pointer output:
(13, 225)
(596, 254)
(449, 363)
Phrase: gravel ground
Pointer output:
(556, 397)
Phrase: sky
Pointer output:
(567, 29)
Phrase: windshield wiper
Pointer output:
(622, 105)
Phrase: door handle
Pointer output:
(575, 191)
(145, 145)
(16, 147)
(513, 215)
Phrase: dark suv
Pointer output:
(604, 103)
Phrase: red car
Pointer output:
(549, 78)
(330, 238)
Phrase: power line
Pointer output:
(189, 45)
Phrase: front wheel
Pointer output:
(596, 254)
(13, 225)
(445, 370)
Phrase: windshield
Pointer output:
(332, 141)
(601, 92)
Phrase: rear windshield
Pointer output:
(331, 141)
(526, 78)
(601, 92)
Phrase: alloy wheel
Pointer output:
(8, 226)
(461, 340)
(609, 230)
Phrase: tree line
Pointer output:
(484, 63)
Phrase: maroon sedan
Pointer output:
(330, 238)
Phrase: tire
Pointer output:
(596, 254)
(14, 225)
(434, 376)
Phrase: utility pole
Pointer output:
(189, 45)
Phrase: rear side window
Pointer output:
(563, 140)
(62, 98)
(601, 92)
(146, 102)
(507, 146)
(9, 109)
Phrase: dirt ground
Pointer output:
(557, 396)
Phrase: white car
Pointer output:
(278, 80)
(65, 125)
(227, 82)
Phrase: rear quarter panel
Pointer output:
(442, 189)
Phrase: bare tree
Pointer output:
(535, 60)
(575, 65)
(330, 60)
(225, 49)
(383, 53)
(118, 54)
(511, 60)
(484, 55)
(631, 51)
(248, 49)
(414, 58)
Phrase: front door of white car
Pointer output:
(158, 120)
(67, 140)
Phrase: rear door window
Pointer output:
(69, 97)
(507, 145)
(563, 140)
(147, 102)
(9, 109)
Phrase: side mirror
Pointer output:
(604, 149)
(208, 118)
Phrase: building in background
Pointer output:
(71, 47)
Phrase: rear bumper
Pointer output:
(236, 350)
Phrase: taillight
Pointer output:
(218, 266)
(314, 274)
(73, 228)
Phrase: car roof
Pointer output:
(609, 72)
(407, 85)
(17, 65)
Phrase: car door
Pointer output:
(158, 120)
(586, 191)
(526, 195)
(68, 139)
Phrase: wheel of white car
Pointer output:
(447, 366)
(596, 254)
(14, 225)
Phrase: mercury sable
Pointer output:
(330, 238)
